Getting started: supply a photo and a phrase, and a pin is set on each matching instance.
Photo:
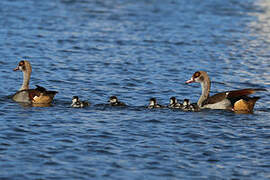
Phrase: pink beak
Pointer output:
(190, 81)
(16, 69)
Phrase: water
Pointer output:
(134, 50)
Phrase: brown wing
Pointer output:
(40, 88)
(50, 93)
(242, 92)
(41, 95)
(45, 92)
(233, 96)
(33, 93)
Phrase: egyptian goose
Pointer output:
(174, 104)
(76, 103)
(236, 100)
(34, 96)
(115, 102)
(153, 104)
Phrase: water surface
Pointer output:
(134, 50)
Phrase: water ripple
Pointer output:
(96, 49)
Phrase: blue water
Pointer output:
(134, 50)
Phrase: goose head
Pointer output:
(23, 66)
(198, 76)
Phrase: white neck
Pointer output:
(26, 79)
(205, 84)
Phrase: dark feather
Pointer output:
(233, 96)
(242, 92)
(41, 89)
(32, 93)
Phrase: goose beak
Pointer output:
(16, 69)
(190, 81)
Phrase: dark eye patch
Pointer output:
(196, 74)
(21, 63)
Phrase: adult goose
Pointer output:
(236, 100)
(39, 95)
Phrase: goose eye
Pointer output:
(21, 63)
(196, 74)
